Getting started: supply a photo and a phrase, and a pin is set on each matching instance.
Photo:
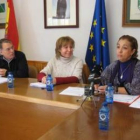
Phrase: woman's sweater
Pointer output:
(65, 70)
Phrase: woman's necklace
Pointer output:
(122, 72)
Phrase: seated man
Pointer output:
(11, 60)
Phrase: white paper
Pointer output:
(124, 98)
(73, 91)
(3, 80)
(38, 84)
(136, 104)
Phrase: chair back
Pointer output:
(85, 74)
(32, 71)
(36, 66)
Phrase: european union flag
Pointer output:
(98, 48)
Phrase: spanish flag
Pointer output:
(11, 31)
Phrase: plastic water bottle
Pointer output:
(109, 93)
(49, 83)
(104, 117)
(10, 80)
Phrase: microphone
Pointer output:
(94, 78)
(95, 74)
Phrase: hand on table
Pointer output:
(44, 79)
(101, 89)
(3, 72)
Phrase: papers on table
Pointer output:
(73, 91)
(124, 98)
(3, 80)
(136, 104)
(38, 84)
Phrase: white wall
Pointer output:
(39, 43)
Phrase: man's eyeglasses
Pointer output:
(8, 49)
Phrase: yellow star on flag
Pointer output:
(95, 23)
(101, 63)
(103, 43)
(102, 30)
(91, 35)
(91, 47)
(94, 58)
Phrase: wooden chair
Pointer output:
(32, 71)
(85, 74)
(36, 66)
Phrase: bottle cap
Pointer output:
(9, 72)
(109, 84)
(104, 103)
(49, 75)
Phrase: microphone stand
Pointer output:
(90, 93)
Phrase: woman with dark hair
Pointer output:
(124, 73)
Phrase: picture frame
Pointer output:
(61, 14)
(131, 13)
(3, 9)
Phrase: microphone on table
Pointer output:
(94, 78)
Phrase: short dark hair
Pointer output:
(5, 40)
(133, 42)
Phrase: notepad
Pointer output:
(73, 91)
(38, 85)
(128, 99)
(136, 104)
(3, 80)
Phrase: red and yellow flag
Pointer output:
(11, 31)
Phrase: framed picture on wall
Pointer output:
(2, 13)
(61, 13)
(131, 13)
